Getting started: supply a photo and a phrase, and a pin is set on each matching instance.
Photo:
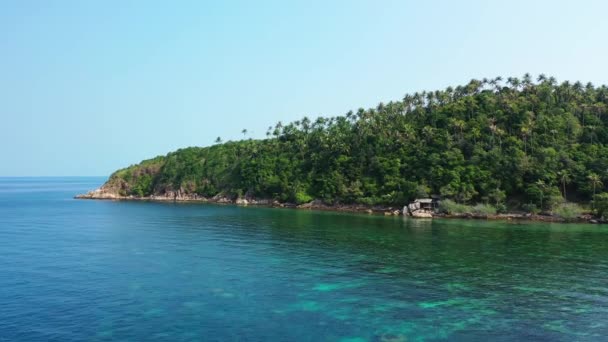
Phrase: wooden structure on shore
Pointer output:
(422, 207)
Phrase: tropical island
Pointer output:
(492, 146)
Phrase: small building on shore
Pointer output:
(422, 207)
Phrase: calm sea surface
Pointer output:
(81, 270)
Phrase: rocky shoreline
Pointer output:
(178, 196)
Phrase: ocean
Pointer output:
(86, 270)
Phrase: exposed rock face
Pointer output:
(221, 199)
(99, 194)
(421, 214)
(105, 193)
(241, 201)
(110, 193)
(113, 193)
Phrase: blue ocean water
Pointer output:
(83, 270)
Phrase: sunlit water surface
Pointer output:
(73, 270)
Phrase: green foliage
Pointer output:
(555, 200)
(450, 207)
(302, 197)
(497, 196)
(600, 204)
(142, 185)
(501, 208)
(545, 197)
(568, 211)
(486, 141)
(484, 209)
(422, 191)
(530, 208)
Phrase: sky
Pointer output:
(87, 87)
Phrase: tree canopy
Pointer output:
(513, 141)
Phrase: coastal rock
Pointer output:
(316, 204)
(241, 201)
(183, 196)
(305, 205)
(422, 214)
(99, 194)
(259, 201)
(220, 199)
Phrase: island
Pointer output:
(516, 146)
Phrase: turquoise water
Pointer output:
(73, 270)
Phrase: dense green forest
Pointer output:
(517, 143)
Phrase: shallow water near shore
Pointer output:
(73, 270)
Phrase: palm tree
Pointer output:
(527, 80)
(449, 93)
(542, 188)
(218, 140)
(474, 86)
(458, 126)
(565, 92)
(278, 129)
(595, 181)
(564, 177)
(495, 83)
(475, 134)
(459, 92)
(305, 124)
(428, 132)
(542, 78)
(244, 132)
(349, 115)
(492, 82)
(409, 131)
(492, 126)
(591, 128)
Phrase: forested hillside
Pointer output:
(521, 143)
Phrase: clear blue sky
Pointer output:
(87, 87)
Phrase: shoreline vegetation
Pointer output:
(492, 148)
(469, 212)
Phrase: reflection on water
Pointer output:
(82, 270)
